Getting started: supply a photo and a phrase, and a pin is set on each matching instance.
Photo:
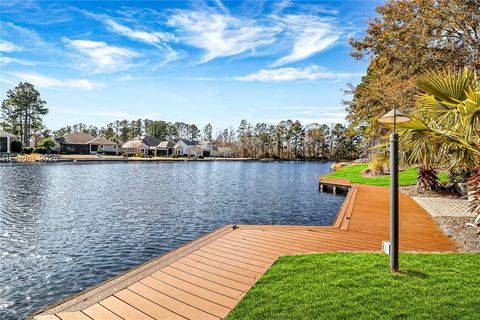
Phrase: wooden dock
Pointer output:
(206, 278)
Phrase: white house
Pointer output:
(182, 147)
(207, 148)
(165, 148)
(6, 140)
(148, 145)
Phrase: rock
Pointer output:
(461, 188)
(448, 231)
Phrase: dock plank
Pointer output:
(98, 312)
(198, 302)
(206, 278)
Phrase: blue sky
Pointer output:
(197, 62)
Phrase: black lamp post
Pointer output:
(394, 117)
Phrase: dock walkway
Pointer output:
(206, 278)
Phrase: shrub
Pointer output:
(47, 143)
(41, 150)
(17, 147)
(27, 150)
(427, 179)
(378, 164)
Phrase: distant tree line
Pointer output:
(285, 140)
(23, 109)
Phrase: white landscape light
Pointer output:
(392, 247)
(394, 116)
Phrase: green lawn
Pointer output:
(353, 174)
(359, 286)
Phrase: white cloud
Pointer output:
(310, 35)
(49, 82)
(7, 46)
(129, 77)
(220, 35)
(7, 60)
(154, 38)
(100, 57)
(29, 38)
(293, 74)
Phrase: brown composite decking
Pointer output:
(206, 278)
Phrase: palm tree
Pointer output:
(445, 127)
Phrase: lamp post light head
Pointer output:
(394, 116)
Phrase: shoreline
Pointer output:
(114, 159)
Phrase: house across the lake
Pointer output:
(201, 148)
(6, 140)
(151, 146)
(83, 143)
(148, 145)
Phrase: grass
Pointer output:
(353, 174)
(359, 286)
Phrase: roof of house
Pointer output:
(149, 141)
(141, 142)
(166, 144)
(134, 144)
(102, 141)
(75, 138)
(83, 138)
(188, 142)
(4, 133)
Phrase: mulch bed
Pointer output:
(413, 192)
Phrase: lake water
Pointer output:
(64, 228)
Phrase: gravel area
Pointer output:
(449, 218)
(467, 238)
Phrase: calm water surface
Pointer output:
(64, 228)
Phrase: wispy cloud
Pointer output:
(293, 74)
(158, 39)
(49, 82)
(310, 35)
(7, 46)
(100, 57)
(220, 34)
(8, 60)
(153, 38)
(129, 77)
(29, 38)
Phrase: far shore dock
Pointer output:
(206, 278)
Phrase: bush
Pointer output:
(378, 164)
(427, 179)
(27, 150)
(17, 147)
(40, 150)
(47, 143)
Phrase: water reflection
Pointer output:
(64, 228)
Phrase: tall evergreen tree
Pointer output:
(22, 111)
